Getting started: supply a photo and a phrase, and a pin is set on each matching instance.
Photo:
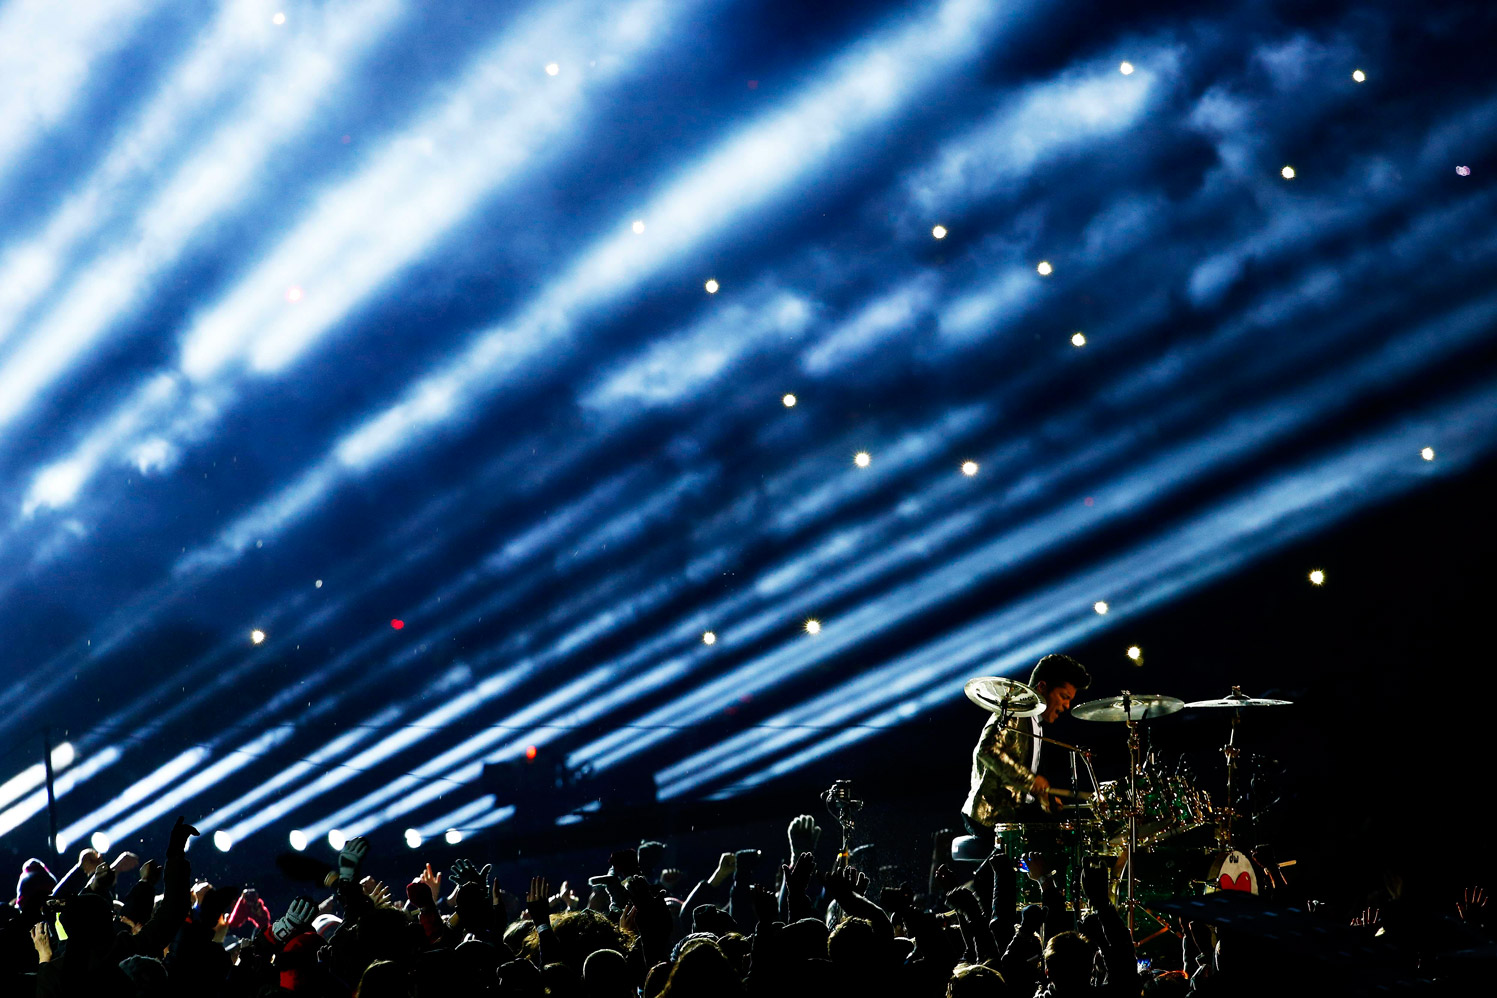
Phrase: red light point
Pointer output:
(397, 624)
(1089, 500)
(530, 751)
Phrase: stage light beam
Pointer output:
(1317, 578)
(298, 839)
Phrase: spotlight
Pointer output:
(293, 294)
(530, 752)
(337, 839)
(813, 626)
(712, 285)
(709, 638)
(397, 623)
(939, 232)
(789, 401)
(1136, 653)
(223, 841)
(1126, 68)
(319, 583)
(1044, 268)
(638, 226)
(1078, 339)
(1428, 453)
(552, 68)
(100, 842)
(298, 839)
(1317, 578)
(257, 636)
(413, 838)
(862, 459)
(969, 468)
(63, 755)
(453, 836)
(1287, 173)
(1359, 76)
(1463, 171)
(1101, 606)
(278, 19)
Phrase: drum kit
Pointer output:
(1160, 833)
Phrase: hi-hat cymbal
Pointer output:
(999, 695)
(1239, 699)
(1140, 707)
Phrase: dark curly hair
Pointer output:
(1057, 670)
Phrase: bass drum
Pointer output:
(1232, 871)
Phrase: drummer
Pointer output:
(1006, 785)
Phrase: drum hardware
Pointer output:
(842, 806)
(1007, 697)
(1235, 701)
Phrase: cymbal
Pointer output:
(1239, 699)
(999, 695)
(1141, 707)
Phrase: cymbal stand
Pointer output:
(1133, 743)
(1231, 751)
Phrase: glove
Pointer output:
(351, 857)
(298, 919)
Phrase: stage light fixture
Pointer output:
(969, 468)
(1136, 653)
(1463, 171)
(1317, 578)
(1044, 268)
(1101, 606)
(453, 836)
(336, 839)
(712, 286)
(813, 626)
(278, 19)
(862, 459)
(413, 838)
(1078, 339)
(1287, 173)
(709, 638)
(100, 842)
(257, 636)
(638, 227)
(552, 68)
(939, 232)
(318, 584)
(1428, 453)
(1359, 76)
(293, 294)
(298, 839)
(1126, 68)
(789, 401)
(223, 841)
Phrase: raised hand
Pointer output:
(176, 841)
(351, 857)
(125, 862)
(565, 899)
(538, 901)
(89, 860)
(804, 833)
(1469, 907)
(419, 894)
(42, 941)
(1096, 886)
(432, 882)
(465, 871)
(150, 872)
(670, 877)
(765, 905)
(298, 919)
(726, 864)
(1031, 918)
(798, 874)
(745, 862)
(965, 901)
(375, 890)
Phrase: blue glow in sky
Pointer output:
(481, 317)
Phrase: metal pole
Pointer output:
(51, 794)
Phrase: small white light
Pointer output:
(1101, 606)
(1126, 68)
(789, 401)
(1078, 339)
(293, 294)
(319, 583)
(969, 468)
(100, 842)
(1135, 652)
(862, 459)
(63, 755)
(1463, 171)
(709, 638)
(1428, 453)
(939, 232)
(712, 285)
(1045, 269)
(1359, 76)
(257, 636)
(336, 839)
(552, 68)
(413, 838)
(223, 841)
(1287, 173)
(813, 627)
(279, 18)
(298, 839)
(1317, 578)
(638, 226)
(453, 836)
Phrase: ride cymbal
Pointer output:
(998, 695)
(1139, 707)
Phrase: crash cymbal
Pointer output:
(999, 695)
(1141, 707)
(1239, 699)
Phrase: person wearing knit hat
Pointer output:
(35, 885)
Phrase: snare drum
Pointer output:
(1062, 845)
